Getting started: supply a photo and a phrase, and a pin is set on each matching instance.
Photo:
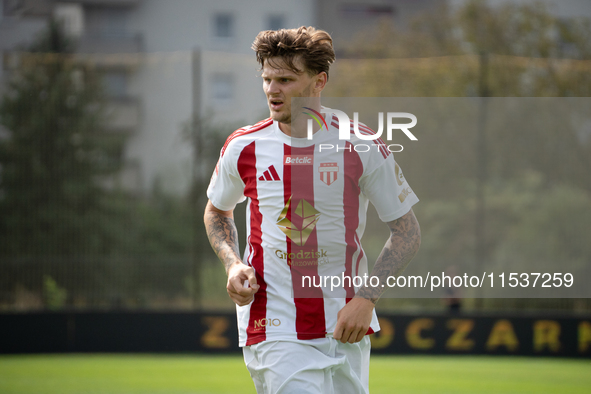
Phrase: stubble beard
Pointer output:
(281, 117)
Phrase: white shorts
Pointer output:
(323, 366)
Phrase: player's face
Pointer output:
(281, 84)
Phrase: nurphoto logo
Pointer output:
(362, 132)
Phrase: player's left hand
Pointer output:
(353, 320)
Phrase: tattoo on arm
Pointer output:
(223, 237)
(401, 247)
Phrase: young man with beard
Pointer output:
(305, 217)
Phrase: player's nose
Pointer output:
(272, 87)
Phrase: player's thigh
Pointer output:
(290, 367)
(353, 375)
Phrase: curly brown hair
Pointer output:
(313, 46)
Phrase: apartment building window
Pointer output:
(275, 22)
(222, 88)
(108, 22)
(224, 25)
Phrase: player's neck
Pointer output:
(299, 127)
(300, 131)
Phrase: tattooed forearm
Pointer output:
(401, 247)
(223, 236)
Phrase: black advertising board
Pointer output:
(52, 332)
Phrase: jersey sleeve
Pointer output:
(387, 189)
(226, 188)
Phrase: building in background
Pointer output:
(163, 62)
(198, 61)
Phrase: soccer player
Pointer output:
(306, 215)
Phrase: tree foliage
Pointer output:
(56, 155)
(529, 52)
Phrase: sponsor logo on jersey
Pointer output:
(265, 322)
(294, 160)
(302, 258)
(304, 213)
(328, 172)
(405, 192)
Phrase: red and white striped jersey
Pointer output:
(306, 215)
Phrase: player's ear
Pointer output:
(320, 80)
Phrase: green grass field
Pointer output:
(184, 374)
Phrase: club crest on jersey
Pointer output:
(328, 172)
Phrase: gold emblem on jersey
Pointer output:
(309, 216)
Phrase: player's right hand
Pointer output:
(242, 283)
